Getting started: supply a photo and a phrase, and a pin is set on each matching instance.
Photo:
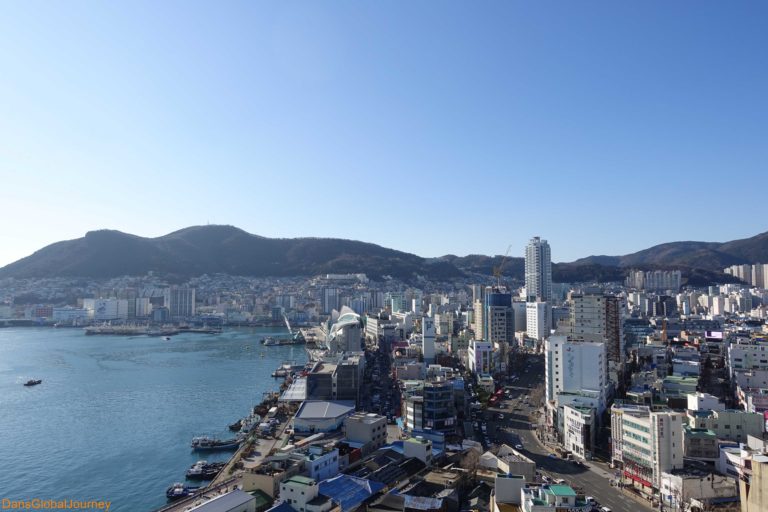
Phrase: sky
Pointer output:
(433, 127)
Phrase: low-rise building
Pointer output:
(731, 425)
(321, 416)
(235, 501)
(680, 487)
(645, 444)
(552, 498)
(366, 428)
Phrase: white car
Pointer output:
(605, 509)
(518, 447)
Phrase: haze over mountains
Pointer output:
(201, 250)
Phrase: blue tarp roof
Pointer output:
(349, 491)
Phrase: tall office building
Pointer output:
(498, 317)
(538, 270)
(180, 301)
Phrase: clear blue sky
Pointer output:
(432, 127)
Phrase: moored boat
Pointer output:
(205, 443)
(179, 490)
(203, 470)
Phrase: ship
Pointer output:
(205, 443)
(179, 490)
(202, 470)
(33, 382)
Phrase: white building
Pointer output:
(538, 270)
(552, 498)
(428, 339)
(298, 491)
(105, 310)
(538, 320)
(579, 430)
(645, 444)
(575, 367)
(480, 357)
(418, 447)
(320, 463)
(704, 401)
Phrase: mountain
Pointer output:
(219, 249)
(201, 250)
(712, 256)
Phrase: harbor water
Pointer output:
(114, 416)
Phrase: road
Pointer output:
(516, 427)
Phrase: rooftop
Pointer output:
(560, 490)
(324, 409)
(368, 418)
(301, 480)
(225, 502)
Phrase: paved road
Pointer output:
(516, 428)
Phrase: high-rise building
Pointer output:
(498, 317)
(538, 270)
(538, 320)
(575, 368)
(654, 280)
(595, 316)
(478, 327)
(180, 301)
(329, 300)
(428, 339)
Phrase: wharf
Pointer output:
(260, 452)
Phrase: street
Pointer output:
(518, 428)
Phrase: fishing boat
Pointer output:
(205, 443)
(202, 470)
(179, 490)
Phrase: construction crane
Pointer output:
(497, 270)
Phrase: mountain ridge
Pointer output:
(197, 250)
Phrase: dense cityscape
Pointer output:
(334, 256)
(474, 394)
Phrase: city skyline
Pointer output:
(287, 120)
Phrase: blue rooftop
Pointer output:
(348, 491)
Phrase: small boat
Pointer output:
(33, 382)
(210, 444)
(269, 341)
(202, 470)
(234, 427)
(179, 490)
(167, 338)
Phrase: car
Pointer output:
(518, 447)
(560, 481)
(605, 509)
(546, 479)
(591, 500)
(552, 456)
(500, 417)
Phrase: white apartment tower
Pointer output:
(538, 270)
